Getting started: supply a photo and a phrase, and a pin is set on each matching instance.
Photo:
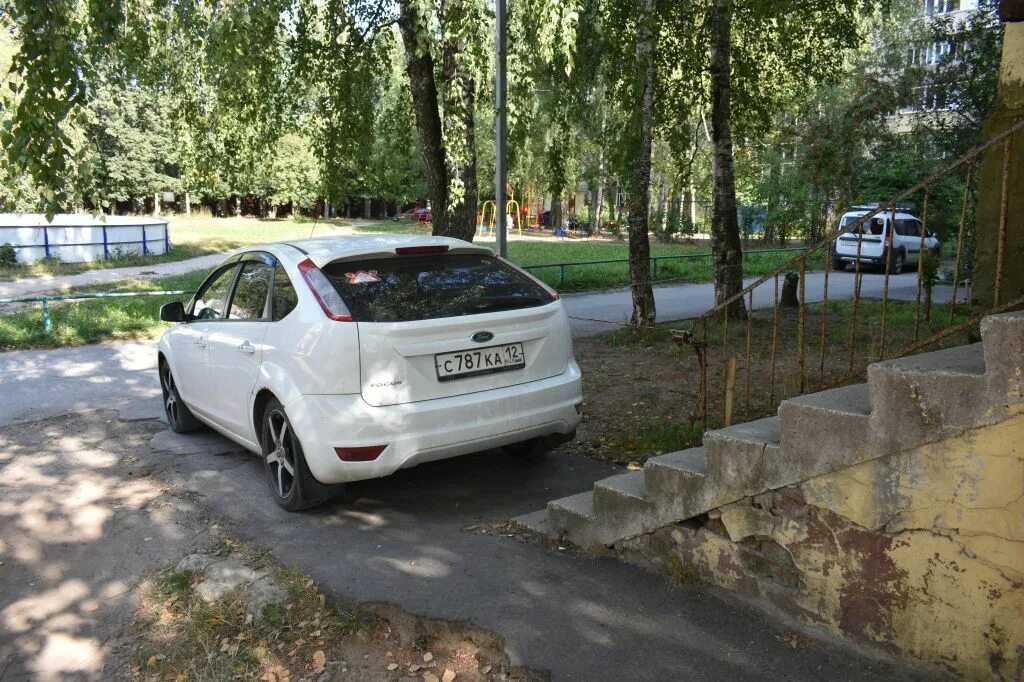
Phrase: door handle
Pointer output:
(201, 343)
(247, 347)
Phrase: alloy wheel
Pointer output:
(281, 458)
(171, 405)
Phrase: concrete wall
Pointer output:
(919, 554)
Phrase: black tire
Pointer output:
(532, 450)
(290, 482)
(897, 263)
(838, 264)
(179, 417)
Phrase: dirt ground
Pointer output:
(641, 390)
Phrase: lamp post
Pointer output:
(501, 130)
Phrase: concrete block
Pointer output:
(737, 456)
(572, 518)
(821, 432)
(676, 483)
(1003, 339)
(535, 522)
(920, 398)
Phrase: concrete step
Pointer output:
(921, 398)
(821, 432)
(677, 485)
(736, 458)
(1003, 339)
(573, 518)
(622, 508)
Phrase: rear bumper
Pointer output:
(431, 429)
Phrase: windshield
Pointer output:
(874, 226)
(405, 288)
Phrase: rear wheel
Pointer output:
(179, 417)
(838, 264)
(284, 464)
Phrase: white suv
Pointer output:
(873, 235)
(350, 358)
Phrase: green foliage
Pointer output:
(8, 255)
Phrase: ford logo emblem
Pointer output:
(483, 337)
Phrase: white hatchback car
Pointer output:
(872, 236)
(349, 358)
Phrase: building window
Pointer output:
(941, 6)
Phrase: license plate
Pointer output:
(468, 363)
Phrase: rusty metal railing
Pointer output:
(870, 313)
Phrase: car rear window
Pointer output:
(406, 288)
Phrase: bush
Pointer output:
(8, 255)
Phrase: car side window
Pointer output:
(913, 228)
(249, 302)
(285, 298)
(212, 298)
(901, 227)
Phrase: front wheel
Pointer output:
(179, 417)
(283, 462)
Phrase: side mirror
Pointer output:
(172, 312)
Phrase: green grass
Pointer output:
(91, 321)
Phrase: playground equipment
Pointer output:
(485, 219)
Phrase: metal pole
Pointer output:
(501, 128)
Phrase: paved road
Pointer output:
(48, 284)
(602, 311)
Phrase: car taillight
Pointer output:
(324, 292)
(421, 250)
(366, 453)
(551, 292)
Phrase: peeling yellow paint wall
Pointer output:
(920, 554)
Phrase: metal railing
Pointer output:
(653, 259)
(836, 366)
(46, 300)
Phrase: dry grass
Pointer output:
(179, 637)
(641, 388)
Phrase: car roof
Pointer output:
(882, 214)
(323, 250)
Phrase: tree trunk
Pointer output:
(725, 229)
(459, 98)
(556, 211)
(419, 65)
(640, 190)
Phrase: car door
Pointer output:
(914, 240)
(191, 351)
(236, 345)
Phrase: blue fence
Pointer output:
(50, 247)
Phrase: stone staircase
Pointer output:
(906, 402)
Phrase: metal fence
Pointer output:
(813, 361)
(653, 259)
